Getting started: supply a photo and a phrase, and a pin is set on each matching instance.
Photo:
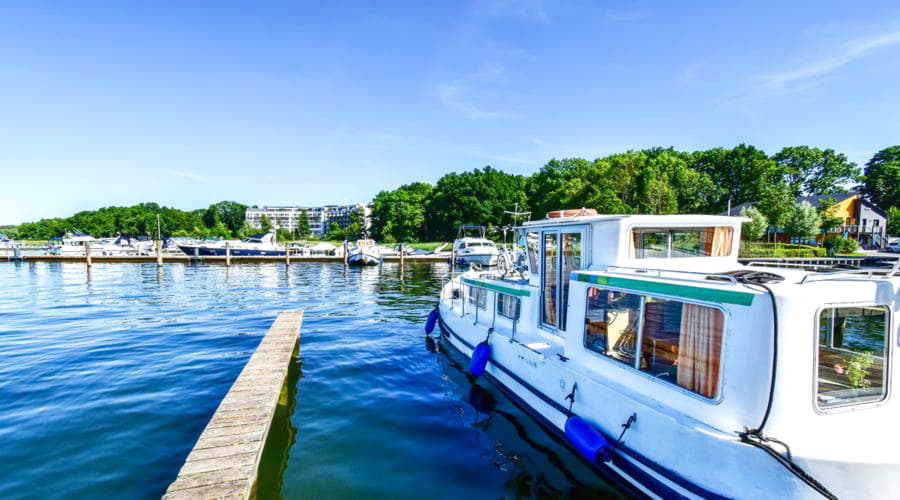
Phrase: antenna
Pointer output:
(515, 213)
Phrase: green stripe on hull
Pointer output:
(683, 291)
(497, 288)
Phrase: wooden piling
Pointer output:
(287, 255)
(225, 460)
(87, 253)
(346, 253)
(159, 257)
(227, 254)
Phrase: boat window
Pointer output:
(652, 243)
(549, 283)
(532, 242)
(852, 355)
(612, 323)
(508, 306)
(571, 255)
(681, 344)
(478, 297)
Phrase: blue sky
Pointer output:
(188, 103)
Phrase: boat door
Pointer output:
(562, 251)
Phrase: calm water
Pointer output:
(107, 378)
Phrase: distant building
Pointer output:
(320, 218)
(861, 219)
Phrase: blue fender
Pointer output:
(480, 357)
(432, 320)
(589, 442)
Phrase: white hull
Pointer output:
(484, 260)
(363, 259)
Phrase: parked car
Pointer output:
(894, 245)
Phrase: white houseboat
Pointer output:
(664, 362)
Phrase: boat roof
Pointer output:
(644, 220)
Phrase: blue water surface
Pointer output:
(108, 376)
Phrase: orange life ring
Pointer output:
(572, 212)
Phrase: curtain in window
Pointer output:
(698, 349)
(717, 241)
(633, 244)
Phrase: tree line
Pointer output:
(648, 181)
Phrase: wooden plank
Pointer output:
(224, 462)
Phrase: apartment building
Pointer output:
(320, 218)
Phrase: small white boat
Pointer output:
(660, 359)
(364, 253)
(476, 250)
(75, 243)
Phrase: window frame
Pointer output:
(473, 299)
(889, 328)
(518, 306)
(634, 368)
(631, 229)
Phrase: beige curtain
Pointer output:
(699, 347)
(632, 244)
(721, 241)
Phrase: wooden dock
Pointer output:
(224, 462)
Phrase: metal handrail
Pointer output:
(727, 276)
(869, 274)
(788, 265)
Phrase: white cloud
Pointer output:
(188, 175)
(464, 94)
(841, 57)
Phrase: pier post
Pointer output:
(287, 255)
(346, 253)
(227, 254)
(452, 261)
(402, 256)
(87, 253)
(159, 257)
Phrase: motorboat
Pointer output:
(75, 243)
(364, 253)
(658, 358)
(262, 244)
(476, 250)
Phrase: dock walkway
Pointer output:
(224, 462)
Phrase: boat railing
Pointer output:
(854, 273)
(705, 276)
(790, 265)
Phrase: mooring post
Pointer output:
(227, 254)
(402, 256)
(159, 257)
(452, 261)
(346, 253)
(87, 253)
(287, 255)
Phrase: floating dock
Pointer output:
(224, 462)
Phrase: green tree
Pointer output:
(476, 197)
(303, 225)
(803, 222)
(265, 224)
(829, 221)
(231, 213)
(742, 174)
(881, 179)
(893, 222)
(400, 215)
(757, 227)
(777, 203)
(812, 171)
